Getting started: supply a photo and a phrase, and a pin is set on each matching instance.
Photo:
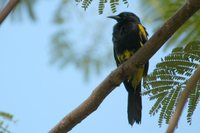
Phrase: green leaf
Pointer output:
(6, 115)
(86, 3)
(168, 79)
(4, 118)
(193, 101)
(101, 6)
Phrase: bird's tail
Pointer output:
(134, 105)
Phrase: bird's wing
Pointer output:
(142, 33)
(143, 37)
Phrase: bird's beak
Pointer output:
(114, 17)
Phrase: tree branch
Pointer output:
(130, 66)
(191, 84)
(7, 9)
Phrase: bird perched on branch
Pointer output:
(128, 36)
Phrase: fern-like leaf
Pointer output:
(85, 3)
(4, 119)
(126, 2)
(168, 80)
(101, 6)
(113, 4)
(157, 105)
(193, 101)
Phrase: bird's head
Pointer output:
(126, 17)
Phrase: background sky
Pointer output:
(39, 94)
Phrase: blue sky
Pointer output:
(39, 94)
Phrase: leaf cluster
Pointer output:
(101, 6)
(4, 117)
(157, 12)
(168, 80)
(86, 59)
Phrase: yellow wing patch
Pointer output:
(137, 76)
(125, 56)
(142, 32)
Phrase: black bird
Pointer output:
(128, 36)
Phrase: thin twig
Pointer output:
(7, 9)
(191, 84)
(123, 71)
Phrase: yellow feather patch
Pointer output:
(137, 76)
(125, 56)
(142, 32)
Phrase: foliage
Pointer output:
(168, 80)
(23, 8)
(113, 4)
(61, 18)
(81, 49)
(63, 53)
(3, 117)
(157, 12)
(64, 50)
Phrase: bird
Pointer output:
(128, 36)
